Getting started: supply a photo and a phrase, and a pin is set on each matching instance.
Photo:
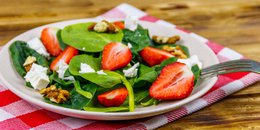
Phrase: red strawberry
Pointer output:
(153, 56)
(175, 81)
(120, 24)
(50, 41)
(66, 56)
(114, 97)
(115, 56)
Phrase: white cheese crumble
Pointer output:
(131, 23)
(131, 72)
(37, 45)
(101, 72)
(129, 45)
(100, 27)
(85, 68)
(193, 60)
(62, 67)
(37, 76)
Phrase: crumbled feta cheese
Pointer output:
(62, 67)
(29, 60)
(131, 72)
(37, 76)
(84, 48)
(193, 60)
(101, 27)
(101, 72)
(131, 23)
(37, 45)
(129, 45)
(85, 68)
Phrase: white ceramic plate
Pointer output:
(16, 83)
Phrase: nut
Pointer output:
(28, 63)
(55, 95)
(103, 27)
(166, 40)
(176, 51)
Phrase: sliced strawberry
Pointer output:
(114, 97)
(120, 24)
(66, 56)
(115, 56)
(50, 41)
(175, 81)
(153, 56)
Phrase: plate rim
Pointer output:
(59, 109)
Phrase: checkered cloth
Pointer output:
(16, 113)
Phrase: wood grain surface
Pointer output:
(232, 23)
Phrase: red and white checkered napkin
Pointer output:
(16, 113)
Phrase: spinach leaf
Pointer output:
(77, 101)
(107, 81)
(81, 91)
(78, 36)
(106, 109)
(61, 43)
(149, 102)
(140, 95)
(139, 39)
(19, 51)
(145, 77)
(184, 48)
(54, 78)
(196, 71)
(158, 68)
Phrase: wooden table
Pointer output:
(232, 23)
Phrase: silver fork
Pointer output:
(243, 65)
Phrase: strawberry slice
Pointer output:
(120, 24)
(153, 56)
(50, 41)
(114, 97)
(175, 81)
(65, 55)
(115, 56)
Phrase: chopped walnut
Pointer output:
(176, 51)
(166, 40)
(28, 63)
(103, 26)
(55, 95)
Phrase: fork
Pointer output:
(243, 65)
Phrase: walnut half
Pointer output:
(28, 63)
(103, 27)
(55, 95)
(176, 51)
(166, 40)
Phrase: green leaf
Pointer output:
(158, 68)
(78, 36)
(149, 102)
(106, 109)
(81, 91)
(139, 39)
(140, 95)
(196, 71)
(63, 83)
(78, 101)
(19, 51)
(145, 77)
(107, 81)
(61, 43)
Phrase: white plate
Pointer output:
(16, 83)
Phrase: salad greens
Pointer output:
(78, 36)
(139, 39)
(86, 88)
(19, 51)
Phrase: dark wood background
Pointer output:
(232, 23)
